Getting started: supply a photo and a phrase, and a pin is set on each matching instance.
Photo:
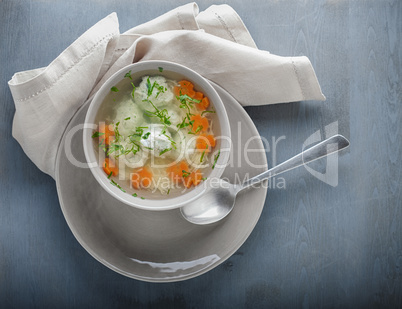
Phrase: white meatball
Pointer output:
(131, 159)
(129, 116)
(176, 115)
(153, 88)
(157, 139)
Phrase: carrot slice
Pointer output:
(176, 171)
(204, 103)
(110, 167)
(200, 123)
(178, 91)
(193, 179)
(141, 178)
(184, 88)
(180, 173)
(186, 84)
(187, 181)
(146, 177)
(205, 142)
(197, 177)
(198, 96)
(190, 93)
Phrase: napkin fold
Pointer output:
(215, 43)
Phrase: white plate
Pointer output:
(159, 246)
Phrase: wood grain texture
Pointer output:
(315, 246)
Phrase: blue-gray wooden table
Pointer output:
(315, 245)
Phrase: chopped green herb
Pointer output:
(114, 89)
(202, 156)
(136, 136)
(172, 142)
(191, 123)
(128, 75)
(101, 145)
(168, 191)
(110, 175)
(135, 194)
(116, 132)
(216, 159)
(134, 148)
(146, 135)
(184, 124)
(97, 134)
(138, 132)
(128, 118)
(164, 151)
(199, 128)
(117, 185)
(143, 198)
(149, 87)
(204, 178)
(132, 92)
(187, 98)
(160, 69)
(204, 112)
(187, 103)
(185, 174)
(161, 89)
(163, 115)
(134, 139)
(203, 153)
(115, 148)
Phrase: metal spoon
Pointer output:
(218, 201)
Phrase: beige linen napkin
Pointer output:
(215, 43)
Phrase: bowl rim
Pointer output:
(101, 177)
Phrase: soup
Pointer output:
(156, 136)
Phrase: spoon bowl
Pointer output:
(220, 196)
(214, 205)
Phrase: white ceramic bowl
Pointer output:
(173, 71)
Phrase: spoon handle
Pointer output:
(322, 149)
